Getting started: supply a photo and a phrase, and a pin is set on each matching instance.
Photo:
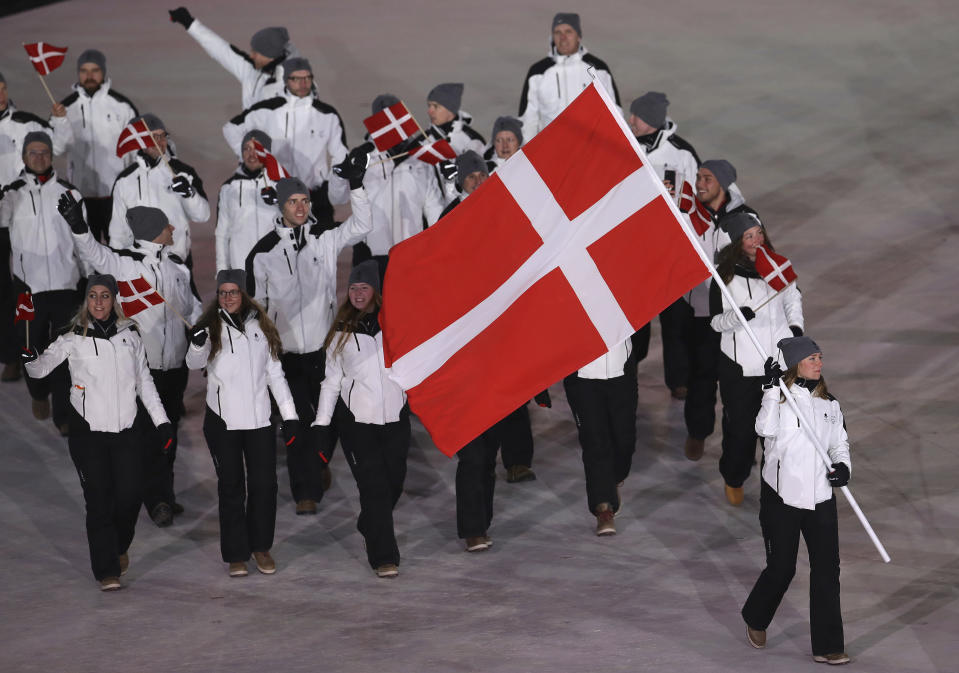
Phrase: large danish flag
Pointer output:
(274, 169)
(775, 269)
(45, 57)
(563, 253)
(391, 126)
(134, 136)
(137, 295)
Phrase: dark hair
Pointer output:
(732, 256)
(212, 320)
(346, 320)
(793, 373)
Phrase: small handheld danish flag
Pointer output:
(45, 57)
(137, 295)
(274, 169)
(391, 126)
(434, 152)
(134, 136)
(25, 310)
(698, 215)
(775, 269)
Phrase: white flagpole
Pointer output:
(694, 241)
(777, 293)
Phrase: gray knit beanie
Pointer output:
(449, 95)
(723, 170)
(35, 137)
(797, 349)
(511, 124)
(467, 163)
(260, 136)
(93, 56)
(104, 279)
(366, 272)
(651, 108)
(291, 65)
(287, 187)
(738, 224)
(569, 18)
(383, 101)
(271, 42)
(237, 276)
(146, 222)
(153, 122)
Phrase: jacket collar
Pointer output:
(149, 248)
(99, 93)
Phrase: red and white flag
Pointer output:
(570, 247)
(391, 126)
(137, 295)
(45, 57)
(25, 310)
(274, 169)
(134, 136)
(775, 269)
(692, 206)
(434, 152)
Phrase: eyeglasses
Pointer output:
(228, 293)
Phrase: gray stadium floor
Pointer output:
(841, 120)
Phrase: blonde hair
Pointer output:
(82, 316)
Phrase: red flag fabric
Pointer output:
(137, 295)
(45, 57)
(134, 136)
(391, 126)
(25, 309)
(698, 214)
(775, 269)
(434, 152)
(274, 170)
(565, 251)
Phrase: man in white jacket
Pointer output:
(44, 263)
(292, 273)
(160, 326)
(557, 79)
(260, 72)
(308, 136)
(96, 113)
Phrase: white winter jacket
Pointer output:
(292, 273)
(771, 323)
(242, 218)
(308, 138)
(358, 375)
(400, 197)
(107, 375)
(242, 375)
(163, 334)
(552, 83)
(609, 365)
(145, 184)
(14, 126)
(43, 254)
(791, 464)
(96, 122)
(256, 84)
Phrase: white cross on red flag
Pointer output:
(134, 136)
(45, 57)
(391, 126)
(570, 247)
(137, 295)
(25, 310)
(700, 217)
(775, 269)
(434, 152)
(274, 169)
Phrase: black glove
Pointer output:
(797, 331)
(28, 355)
(181, 185)
(182, 16)
(321, 437)
(167, 435)
(290, 430)
(747, 312)
(353, 167)
(268, 194)
(543, 400)
(198, 336)
(839, 475)
(773, 373)
(71, 211)
(448, 170)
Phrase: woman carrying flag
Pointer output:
(772, 316)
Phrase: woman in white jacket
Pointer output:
(242, 363)
(797, 498)
(109, 371)
(371, 415)
(776, 316)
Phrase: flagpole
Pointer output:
(792, 282)
(28, 334)
(43, 81)
(389, 159)
(804, 422)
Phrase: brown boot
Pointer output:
(124, 563)
(41, 409)
(306, 507)
(518, 473)
(11, 372)
(694, 448)
(604, 520)
(756, 638)
(264, 562)
(734, 494)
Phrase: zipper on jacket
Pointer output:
(219, 404)
(349, 395)
(559, 93)
(83, 114)
(288, 265)
(139, 189)
(83, 403)
(33, 203)
(778, 465)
